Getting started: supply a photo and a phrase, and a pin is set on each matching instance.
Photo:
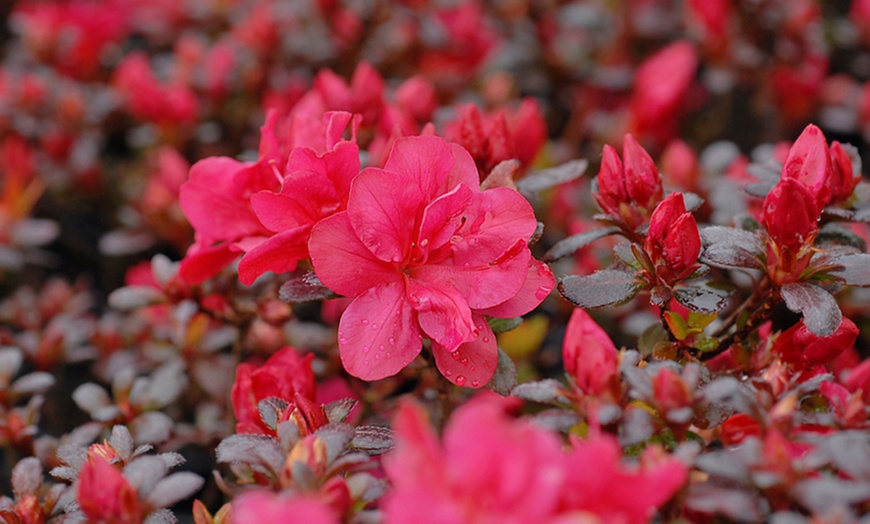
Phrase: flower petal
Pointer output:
(435, 165)
(539, 283)
(442, 311)
(473, 363)
(202, 263)
(278, 254)
(305, 198)
(497, 219)
(378, 334)
(342, 262)
(385, 210)
(485, 285)
(443, 217)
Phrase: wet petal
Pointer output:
(305, 198)
(538, 284)
(378, 334)
(497, 219)
(443, 312)
(443, 217)
(342, 262)
(202, 263)
(434, 164)
(278, 254)
(473, 363)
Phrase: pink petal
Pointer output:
(809, 161)
(473, 363)
(340, 165)
(385, 210)
(436, 165)
(482, 286)
(342, 262)
(211, 203)
(443, 217)
(417, 448)
(202, 263)
(378, 334)
(497, 219)
(278, 254)
(539, 283)
(443, 313)
(305, 198)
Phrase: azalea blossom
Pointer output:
(426, 254)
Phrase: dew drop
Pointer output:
(485, 340)
(541, 293)
(365, 349)
(475, 383)
(377, 356)
(365, 362)
(472, 368)
(463, 360)
(392, 341)
(387, 355)
(381, 347)
(456, 355)
(460, 380)
(374, 326)
(448, 373)
(342, 340)
(365, 322)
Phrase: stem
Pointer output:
(771, 299)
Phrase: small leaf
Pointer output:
(537, 181)
(502, 325)
(677, 325)
(129, 298)
(821, 313)
(336, 437)
(339, 410)
(306, 288)
(36, 382)
(570, 245)
(825, 494)
(505, 377)
(651, 336)
(251, 450)
(701, 299)
(152, 427)
(730, 247)
(270, 410)
(90, 397)
(855, 269)
(545, 391)
(839, 235)
(692, 201)
(174, 488)
(373, 439)
(26, 477)
(122, 441)
(607, 287)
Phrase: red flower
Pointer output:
(105, 496)
(284, 375)
(844, 177)
(809, 162)
(424, 252)
(790, 215)
(799, 346)
(628, 191)
(673, 241)
(265, 507)
(660, 85)
(589, 355)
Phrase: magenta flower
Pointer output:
(589, 354)
(425, 253)
(265, 507)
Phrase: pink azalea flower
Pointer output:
(489, 468)
(425, 253)
(265, 507)
(590, 356)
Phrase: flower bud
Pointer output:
(673, 241)
(799, 346)
(589, 355)
(809, 162)
(104, 495)
(789, 214)
(628, 190)
(844, 178)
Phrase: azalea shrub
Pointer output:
(425, 261)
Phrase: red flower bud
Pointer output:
(673, 241)
(104, 495)
(843, 179)
(798, 346)
(809, 162)
(631, 190)
(588, 353)
(790, 214)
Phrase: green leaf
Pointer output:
(607, 287)
(570, 245)
(821, 313)
(505, 377)
(501, 325)
(537, 181)
(677, 325)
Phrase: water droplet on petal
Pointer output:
(448, 373)
(475, 383)
(381, 347)
(387, 355)
(365, 362)
(365, 322)
(541, 293)
(342, 340)
(472, 368)
(460, 380)
(485, 340)
(392, 341)
(365, 349)
(374, 326)
(463, 360)
(377, 356)
(456, 355)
